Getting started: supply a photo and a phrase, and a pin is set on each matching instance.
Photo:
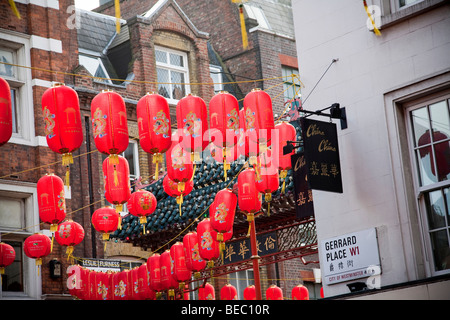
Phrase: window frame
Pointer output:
(22, 84)
(422, 190)
(32, 281)
(170, 67)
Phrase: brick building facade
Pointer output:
(63, 45)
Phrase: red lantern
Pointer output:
(62, 118)
(194, 261)
(179, 165)
(142, 203)
(109, 120)
(259, 120)
(267, 184)
(7, 256)
(92, 286)
(180, 271)
(171, 188)
(6, 126)
(154, 126)
(228, 292)
(154, 272)
(250, 293)
(51, 200)
(120, 285)
(36, 247)
(117, 181)
(221, 213)
(74, 280)
(103, 286)
(144, 291)
(286, 132)
(206, 292)
(246, 147)
(168, 282)
(192, 124)
(248, 196)
(224, 123)
(300, 292)
(209, 248)
(322, 295)
(105, 220)
(70, 233)
(274, 293)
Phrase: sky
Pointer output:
(86, 4)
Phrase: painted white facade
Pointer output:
(375, 78)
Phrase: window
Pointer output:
(172, 74)
(14, 53)
(241, 280)
(429, 124)
(95, 67)
(216, 75)
(404, 3)
(19, 218)
(290, 89)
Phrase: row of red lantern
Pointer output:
(229, 292)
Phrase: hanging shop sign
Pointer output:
(320, 143)
(101, 264)
(350, 256)
(240, 250)
(304, 206)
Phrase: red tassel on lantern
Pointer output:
(62, 118)
(192, 124)
(154, 126)
(6, 126)
(117, 181)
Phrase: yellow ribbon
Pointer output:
(375, 29)
(117, 9)
(12, 4)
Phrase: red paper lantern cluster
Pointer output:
(51, 200)
(7, 256)
(62, 118)
(154, 126)
(6, 126)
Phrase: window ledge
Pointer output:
(409, 12)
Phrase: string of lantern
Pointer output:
(111, 137)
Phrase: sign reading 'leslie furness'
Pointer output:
(351, 256)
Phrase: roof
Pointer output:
(272, 15)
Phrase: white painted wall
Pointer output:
(368, 68)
